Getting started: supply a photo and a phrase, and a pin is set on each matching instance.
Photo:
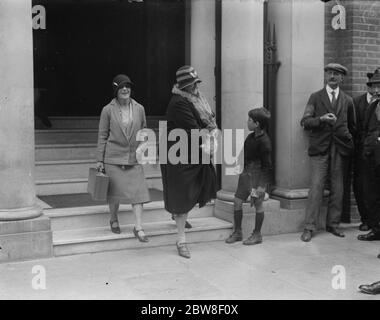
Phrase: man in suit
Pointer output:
(328, 116)
(361, 106)
(371, 160)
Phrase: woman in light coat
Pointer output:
(120, 121)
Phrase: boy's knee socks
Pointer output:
(259, 221)
(238, 217)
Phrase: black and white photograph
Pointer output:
(187, 156)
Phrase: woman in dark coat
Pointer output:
(188, 182)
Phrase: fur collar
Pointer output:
(188, 96)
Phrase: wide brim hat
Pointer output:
(336, 67)
(119, 81)
(186, 76)
(374, 79)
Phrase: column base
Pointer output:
(294, 199)
(25, 239)
(278, 218)
(20, 213)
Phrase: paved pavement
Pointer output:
(282, 267)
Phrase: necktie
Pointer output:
(333, 100)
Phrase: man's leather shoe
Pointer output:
(237, 235)
(254, 238)
(373, 288)
(306, 235)
(364, 227)
(371, 236)
(335, 231)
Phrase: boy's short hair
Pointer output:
(260, 115)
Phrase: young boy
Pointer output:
(255, 177)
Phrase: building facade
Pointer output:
(222, 39)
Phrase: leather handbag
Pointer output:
(98, 183)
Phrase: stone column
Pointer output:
(242, 90)
(242, 67)
(300, 44)
(18, 239)
(203, 45)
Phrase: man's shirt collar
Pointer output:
(369, 97)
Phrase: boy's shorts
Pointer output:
(244, 189)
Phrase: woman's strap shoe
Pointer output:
(142, 238)
(115, 226)
(183, 251)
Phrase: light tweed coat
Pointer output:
(117, 144)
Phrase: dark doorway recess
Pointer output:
(86, 43)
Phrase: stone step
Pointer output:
(85, 122)
(71, 136)
(65, 151)
(61, 136)
(91, 122)
(71, 176)
(74, 169)
(98, 216)
(55, 152)
(161, 233)
(70, 186)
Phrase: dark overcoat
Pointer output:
(321, 133)
(361, 106)
(372, 132)
(187, 183)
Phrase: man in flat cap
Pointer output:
(361, 104)
(330, 119)
(371, 160)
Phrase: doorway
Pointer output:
(87, 42)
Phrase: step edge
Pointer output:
(85, 180)
(99, 209)
(60, 162)
(76, 161)
(159, 232)
(66, 130)
(65, 145)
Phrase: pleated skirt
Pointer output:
(127, 184)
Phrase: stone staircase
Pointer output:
(63, 155)
(86, 229)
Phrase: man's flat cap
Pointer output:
(336, 67)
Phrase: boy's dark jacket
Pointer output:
(323, 134)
